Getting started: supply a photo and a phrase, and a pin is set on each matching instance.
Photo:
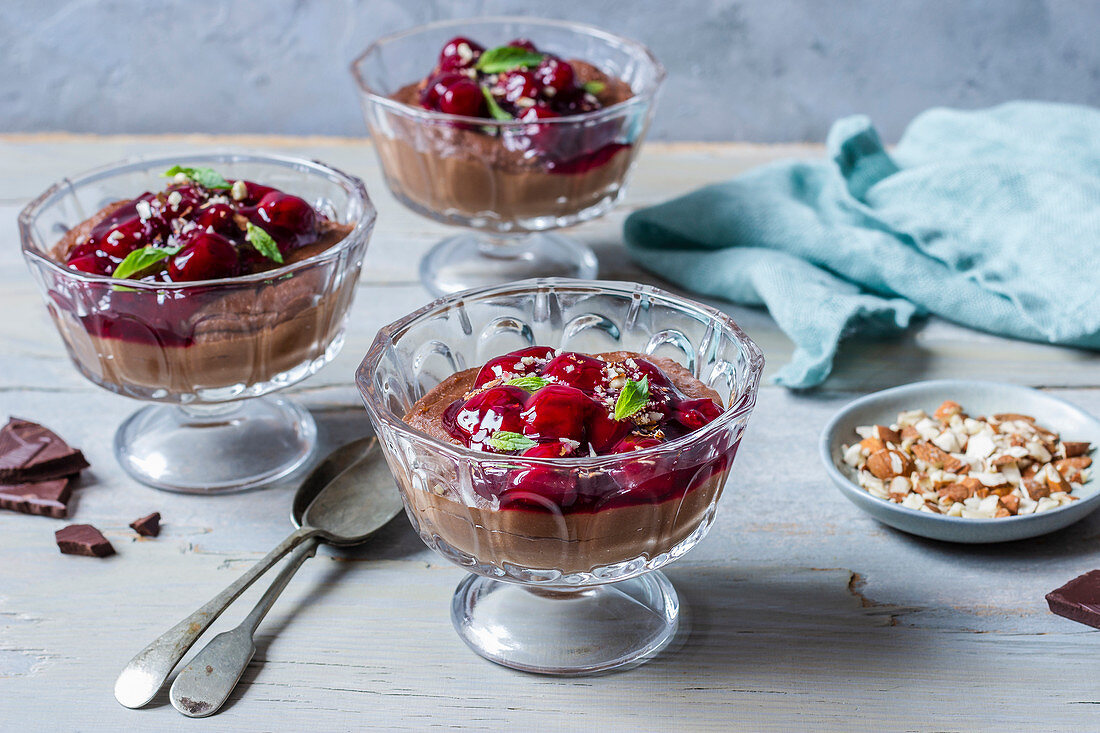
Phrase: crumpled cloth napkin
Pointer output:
(988, 218)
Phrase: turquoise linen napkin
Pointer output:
(988, 218)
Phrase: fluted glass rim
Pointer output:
(640, 99)
(736, 414)
(354, 185)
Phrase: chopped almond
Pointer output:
(1074, 449)
(1071, 468)
(1013, 417)
(1036, 489)
(872, 445)
(1011, 502)
(888, 463)
(947, 409)
(886, 435)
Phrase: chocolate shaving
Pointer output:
(83, 539)
(147, 526)
(45, 498)
(30, 452)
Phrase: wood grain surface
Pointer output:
(803, 613)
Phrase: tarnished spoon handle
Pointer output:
(203, 686)
(142, 678)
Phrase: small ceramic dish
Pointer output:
(977, 398)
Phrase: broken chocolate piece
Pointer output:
(30, 452)
(45, 498)
(1079, 599)
(83, 539)
(147, 526)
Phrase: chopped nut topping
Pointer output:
(976, 468)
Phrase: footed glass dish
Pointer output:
(207, 351)
(509, 182)
(564, 572)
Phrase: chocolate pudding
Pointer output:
(239, 331)
(552, 513)
(508, 172)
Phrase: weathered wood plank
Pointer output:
(805, 613)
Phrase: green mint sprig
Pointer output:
(506, 58)
(142, 259)
(205, 177)
(632, 398)
(594, 87)
(531, 382)
(495, 110)
(505, 441)
(263, 242)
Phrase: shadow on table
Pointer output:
(1080, 540)
(758, 624)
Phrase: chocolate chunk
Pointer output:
(46, 498)
(83, 539)
(1079, 599)
(147, 526)
(30, 452)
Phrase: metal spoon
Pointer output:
(347, 498)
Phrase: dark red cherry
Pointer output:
(524, 43)
(207, 257)
(253, 192)
(576, 370)
(519, 84)
(540, 488)
(553, 449)
(604, 431)
(433, 90)
(497, 408)
(218, 216)
(129, 234)
(694, 414)
(90, 263)
(557, 411)
(514, 364)
(543, 137)
(573, 102)
(555, 75)
(631, 443)
(179, 199)
(459, 53)
(463, 97)
(287, 212)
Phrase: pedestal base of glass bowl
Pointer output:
(215, 448)
(565, 631)
(474, 260)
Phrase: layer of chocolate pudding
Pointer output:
(565, 540)
(136, 342)
(548, 170)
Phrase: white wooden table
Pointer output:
(804, 613)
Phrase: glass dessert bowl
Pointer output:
(221, 288)
(561, 518)
(533, 132)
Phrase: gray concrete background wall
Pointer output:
(757, 70)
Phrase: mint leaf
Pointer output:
(503, 440)
(594, 87)
(634, 397)
(142, 259)
(263, 243)
(205, 177)
(531, 383)
(495, 110)
(506, 58)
